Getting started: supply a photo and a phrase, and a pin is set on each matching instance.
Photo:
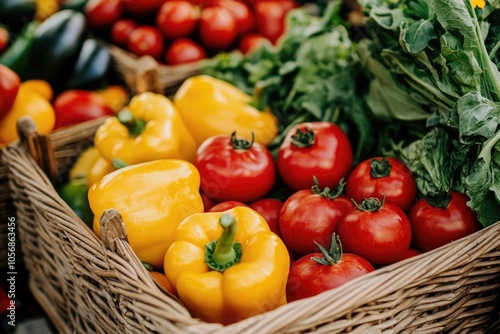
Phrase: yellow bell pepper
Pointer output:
(153, 198)
(84, 163)
(149, 129)
(210, 107)
(98, 170)
(227, 266)
(27, 103)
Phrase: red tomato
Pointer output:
(244, 17)
(269, 208)
(121, 30)
(319, 149)
(318, 272)
(146, 40)
(251, 41)
(76, 106)
(234, 169)
(9, 86)
(438, 220)
(217, 28)
(142, 7)
(309, 216)
(103, 13)
(409, 253)
(224, 206)
(383, 176)
(183, 51)
(207, 202)
(379, 232)
(4, 39)
(177, 19)
(270, 16)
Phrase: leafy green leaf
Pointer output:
(418, 35)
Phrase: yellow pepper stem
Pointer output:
(224, 252)
(134, 125)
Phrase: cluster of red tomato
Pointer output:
(373, 217)
(188, 30)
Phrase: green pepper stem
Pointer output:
(224, 252)
(134, 125)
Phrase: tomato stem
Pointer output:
(371, 204)
(224, 252)
(327, 192)
(134, 125)
(303, 138)
(380, 168)
(440, 199)
(241, 144)
(331, 257)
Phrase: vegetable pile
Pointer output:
(295, 168)
(419, 81)
(181, 31)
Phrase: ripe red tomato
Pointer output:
(244, 17)
(183, 51)
(217, 28)
(311, 215)
(270, 209)
(207, 202)
(224, 206)
(146, 40)
(380, 232)
(270, 16)
(234, 169)
(76, 106)
(251, 41)
(142, 7)
(319, 149)
(103, 13)
(440, 219)
(9, 86)
(4, 39)
(383, 176)
(321, 271)
(177, 19)
(121, 30)
(410, 253)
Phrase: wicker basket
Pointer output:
(87, 284)
(169, 78)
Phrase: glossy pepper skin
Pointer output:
(153, 198)
(27, 103)
(255, 284)
(149, 129)
(210, 107)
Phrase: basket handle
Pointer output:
(112, 229)
(39, 146)
(147, 76)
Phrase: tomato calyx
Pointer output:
(440, 199)
(224, 252)
(134, 125)
(327, 192)
(303, 138)
(330, 257)
(370, 204)
(380, 168)
(241, 144)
